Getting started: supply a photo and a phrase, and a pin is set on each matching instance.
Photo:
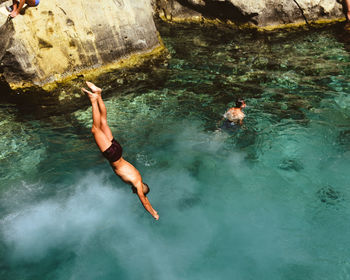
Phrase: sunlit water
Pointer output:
(268, 201)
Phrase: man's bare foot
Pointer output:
(94, 88)
(14, 13)
(92, 96)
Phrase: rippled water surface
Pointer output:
(268, 201)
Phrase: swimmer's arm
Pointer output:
(145, 202)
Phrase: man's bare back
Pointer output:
(236, 114)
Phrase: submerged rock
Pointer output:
(329, 196)
(291, 164)
(259, 13)
(344, 139)
(60, 39)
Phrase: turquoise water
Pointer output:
(269, 201)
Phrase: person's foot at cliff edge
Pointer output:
(347, 24)
(16, 7)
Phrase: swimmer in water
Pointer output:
(112, 150)
(17, 6)
(235, 115)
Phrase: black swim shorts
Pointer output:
(114, 151)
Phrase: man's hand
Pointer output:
(145, 202)
(155, 215)
(14, 14)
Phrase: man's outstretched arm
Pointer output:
(145, 202)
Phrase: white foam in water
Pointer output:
(76, 223)
(54, 223)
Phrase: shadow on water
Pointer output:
(329, 196)
(223, 10)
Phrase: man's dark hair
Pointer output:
(239, 103)
(145, 188)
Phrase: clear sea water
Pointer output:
(268, 201)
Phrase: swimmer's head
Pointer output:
(240, 103)
(145, 189)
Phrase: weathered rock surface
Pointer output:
(60, 38)
(260, 13)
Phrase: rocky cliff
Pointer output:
(61, 38)
(259, 13)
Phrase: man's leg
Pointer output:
(14, 5)
(103, 111)
(347, 2)
(100, 138)
(17, 6)
(104, 125)
(20, 5)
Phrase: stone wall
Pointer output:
(260, 13)
(60, 38)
